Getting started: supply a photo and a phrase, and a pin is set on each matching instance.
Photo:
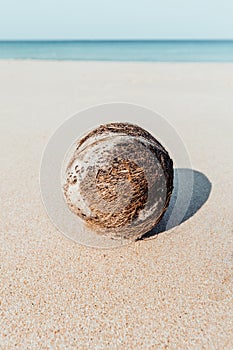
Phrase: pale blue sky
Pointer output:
(119, 19)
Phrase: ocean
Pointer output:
(145, 51)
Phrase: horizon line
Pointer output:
(109, 40)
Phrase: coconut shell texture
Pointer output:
(119, 180)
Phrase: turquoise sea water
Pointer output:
(154, 51)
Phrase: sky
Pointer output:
(119, 19)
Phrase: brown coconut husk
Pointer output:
(122, 170)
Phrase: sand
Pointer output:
(170, 292)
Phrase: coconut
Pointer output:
(119, 180)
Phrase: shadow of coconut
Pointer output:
(191, 190)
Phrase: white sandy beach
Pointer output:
(171, 292)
